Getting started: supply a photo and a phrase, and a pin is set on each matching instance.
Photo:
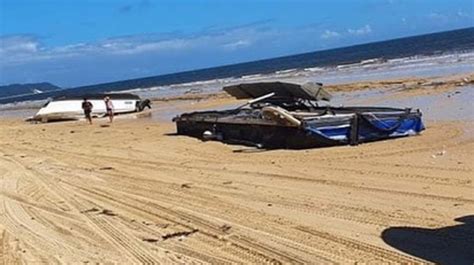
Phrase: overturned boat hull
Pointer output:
(285, 115)
(344, 126)
(70, 108)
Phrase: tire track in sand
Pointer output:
(246, 250)
(178, 167)
(385, 254)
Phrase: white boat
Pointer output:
(70, 107)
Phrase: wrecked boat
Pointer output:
(70, 107)
(286, 115)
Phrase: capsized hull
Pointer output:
(345, 126)
(71, 108)
(266, 136)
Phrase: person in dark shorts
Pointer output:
(87, 107)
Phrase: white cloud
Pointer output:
(361, 31)
(17, 49)
(462, 14)
(23, 49)
(459, 17)
(237, 44)
(158, 53)
(18, 44)
(328, 34)
(133, 47)
(438, 16)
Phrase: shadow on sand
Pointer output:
(446, 245)
(251, 147)
(171, 134)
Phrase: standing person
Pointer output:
(87, 107)
(109, 108)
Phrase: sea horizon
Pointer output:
(432, 44)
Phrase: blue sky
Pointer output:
(72, 42)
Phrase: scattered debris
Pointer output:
(106, 168)
(72, 131)
(179, 234)
(440, 153)
(224, 228)
(150, 240)
(270, 204)
(453, 93)
(227, 182)
(186, 185)
(108, 212)
(90, 210)
(104, 125)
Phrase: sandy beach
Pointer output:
(134, 192)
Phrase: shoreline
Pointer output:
(397, 91)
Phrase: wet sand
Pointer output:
(133, 192)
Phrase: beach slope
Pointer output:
(134, 192)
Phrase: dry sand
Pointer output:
(135, 193)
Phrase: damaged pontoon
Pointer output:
(284, 115)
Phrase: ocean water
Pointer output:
(425, 55)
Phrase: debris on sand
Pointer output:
(106, 168)
(179, 234)
(108, 212)
(440, 153)
(227, 182)
(90, 210)
(150, 240)
(225, 228)
(186, 185)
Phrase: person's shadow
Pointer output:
(446, 245)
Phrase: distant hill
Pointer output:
(21, 89)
